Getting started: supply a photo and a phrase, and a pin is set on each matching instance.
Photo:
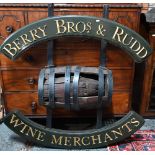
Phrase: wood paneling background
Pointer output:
(15, 76)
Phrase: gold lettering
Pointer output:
(31, 132)
(107, 136)
(70, 26)
(43, 30)
(25, 39)
(135, 122)
(67, 141)
(77, 27)
(143, 51)
(17, 44)
(84, 139)
(118, 32)
(88, 26)
(128, 41)
(98, 139)
(22, 130)
(56, 140)
(60, 26)
(117, 132)
(126, 125)
(16, 122)
(76, 141)
(34, 34)
(10, 50)
(134, 45)
(41, 136)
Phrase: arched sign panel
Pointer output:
(87, 26)
(66, 139)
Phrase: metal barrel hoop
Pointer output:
(108, 86)
(100, 87)
(41, 86)
(67, 87)
(75, 87)
(51, 87)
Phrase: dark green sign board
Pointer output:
(87, 26)
(66, 139)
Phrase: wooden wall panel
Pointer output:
(36, 15)
(14, 19)
(25, 80)
(67, 51)
(23, 101)
(126, 17)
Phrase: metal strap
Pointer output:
(51, 98)
(101, 75)
(50, 10)
(104, 42)
(51, 87)
(41, 86)
(49, 118)
(67, 87)
(100, 87)
(100, 95)
(50, 63)
(75, 87)
(50, 42)
(106, 11)
(103, 52)
(50, 53)
(110, 85)
(99, 118)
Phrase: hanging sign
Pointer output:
(87, 26)
(63, 26)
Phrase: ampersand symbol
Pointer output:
(100, 30)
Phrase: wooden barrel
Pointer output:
(53, 95)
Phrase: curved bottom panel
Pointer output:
(66, 139)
